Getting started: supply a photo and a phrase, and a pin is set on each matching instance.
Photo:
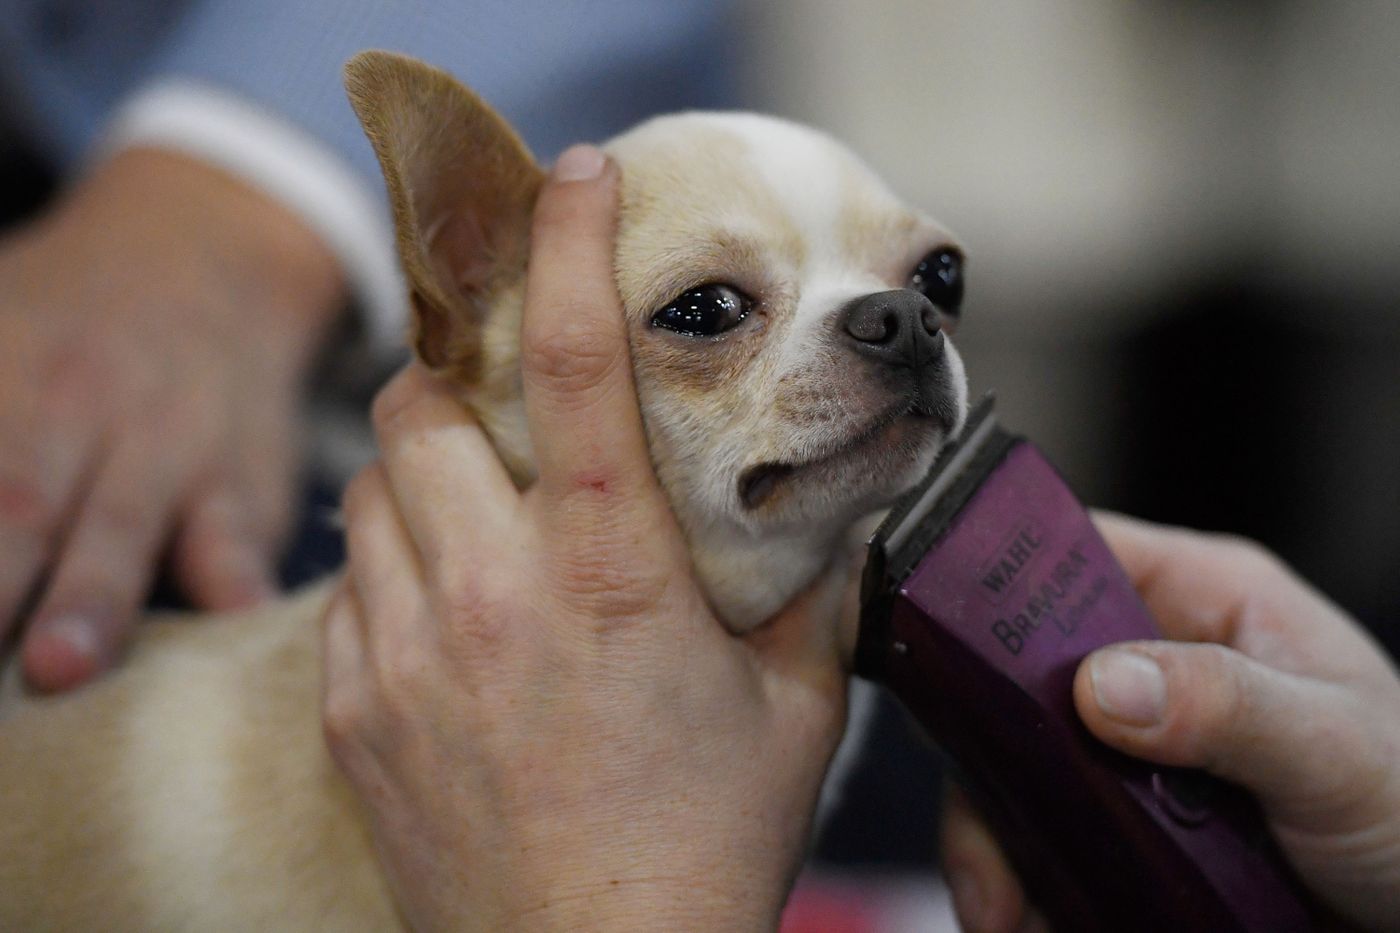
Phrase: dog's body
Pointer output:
(189, 790)
(785, 329)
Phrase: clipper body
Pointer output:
(983, 591)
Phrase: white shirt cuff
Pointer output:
(290, 166)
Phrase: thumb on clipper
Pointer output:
(1208, 706)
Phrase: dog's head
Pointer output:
(787, 315)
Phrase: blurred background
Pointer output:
(1183, 224)
(1183, 227)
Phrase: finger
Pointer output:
(30, 516)
(343, 648)
(222, 558)
(582, 407)
(344, 680)
(447, 480)
(381, 559)
(1208, 706)
(1190, 581)
(41, 482)
(1217, 588)
(352, 732)
(103, 572)
(987, 895)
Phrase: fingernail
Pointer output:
(77, 633)
(1128, 687)
(967, 897)
(63, 652)
(579, 163)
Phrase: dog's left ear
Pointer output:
(463, 187)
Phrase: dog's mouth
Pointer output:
(759, 483)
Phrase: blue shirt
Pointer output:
(560, 72)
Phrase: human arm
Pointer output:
(154, 328)
(1267, 684)
(279, 62)
(549, 726)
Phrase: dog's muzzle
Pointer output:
(900, 329)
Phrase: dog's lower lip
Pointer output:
(758, 483)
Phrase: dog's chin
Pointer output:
(866, 473)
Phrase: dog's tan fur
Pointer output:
(191, 789)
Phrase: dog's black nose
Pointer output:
(899, 327)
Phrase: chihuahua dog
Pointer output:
(788, 322)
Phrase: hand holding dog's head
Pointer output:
(786, 314)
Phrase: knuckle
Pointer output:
(478, 621)
(27, 507)
(347, 730)
(574, 359)
(1257, 573)
(1250, 556)
(1236, 700)
(463, 588)
(1349, 736)
(392, 403)
(1207, 704)
(569, 207)
(358, 492)
(73, 379)
(598, 584)
(400, 674)
(342, 720)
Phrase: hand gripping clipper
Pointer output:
(983, 590)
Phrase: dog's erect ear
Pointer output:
(463, 187)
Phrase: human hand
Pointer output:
(154, 329)
(1267, 685)
(549, 725)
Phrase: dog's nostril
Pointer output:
(877, 324)
(878, 327)
(887, 330)
(900, 327)
(891, 318)
(891, 327)
(932, 324)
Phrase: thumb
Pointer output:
(1208, 706)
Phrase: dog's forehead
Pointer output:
(813, 178)
(749, 168)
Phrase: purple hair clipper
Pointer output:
(983, 590)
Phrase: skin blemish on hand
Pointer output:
(591, 481)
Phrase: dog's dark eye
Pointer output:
(939, 277)
(704, 311)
